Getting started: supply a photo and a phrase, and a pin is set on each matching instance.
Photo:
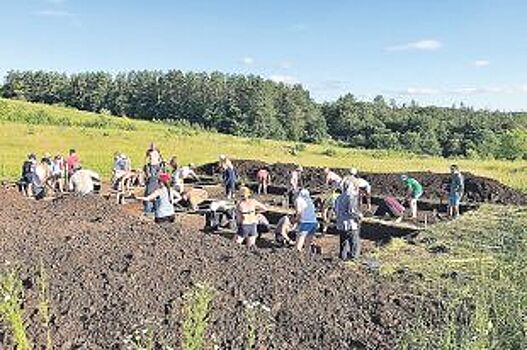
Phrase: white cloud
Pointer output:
(286, 79)
(248, 61)
(55, 13)
(481, 63)
(56, 2)
(423, 45)
(417, 91)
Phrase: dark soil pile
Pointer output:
(477, 189)
(112, 274)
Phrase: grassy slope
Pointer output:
(28, 127)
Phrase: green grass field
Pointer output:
(30, 127)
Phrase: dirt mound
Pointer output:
(477, 189)
(112, 274)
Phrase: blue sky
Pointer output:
(433, 51)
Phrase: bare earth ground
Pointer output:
(113, 273)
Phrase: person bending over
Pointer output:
(285, 231)
(163, 209)
(247, 218)
(414, 190)
(391, 206)
(332, 178)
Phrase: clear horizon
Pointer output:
(436, 53)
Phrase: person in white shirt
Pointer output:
(182, 173)
(84, 181)
(306, 217)
(332, 178)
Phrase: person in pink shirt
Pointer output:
(72, 162)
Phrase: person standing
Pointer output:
(229, 176)
(414, 190)
(58, 169)
(152, 170)
(263, 177)
(306, 218)
(73, 162)
(348, 221)
(457, 187)
(247, 218)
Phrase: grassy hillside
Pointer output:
(29, 127)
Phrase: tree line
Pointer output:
(249, 105)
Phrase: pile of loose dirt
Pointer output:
(112, 274)
(477, 189)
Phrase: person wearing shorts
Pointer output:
(247, 218)
(263, 177)
(414, 191)
(306, 218)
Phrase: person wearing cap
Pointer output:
(456, 189)
(414, 190)
(164, 208)
(263, 177)
(306, 217)
(348, 220)
(332, 178)
(247, 218)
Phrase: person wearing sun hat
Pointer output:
(164, 208)
(247, 218)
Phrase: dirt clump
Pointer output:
(112, 274)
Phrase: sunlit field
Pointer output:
(29, 127)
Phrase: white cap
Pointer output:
(223, 157)
(353, 171)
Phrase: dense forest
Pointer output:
(256, 107)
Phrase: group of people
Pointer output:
(164, 190)
(56, 174)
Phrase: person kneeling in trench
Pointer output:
(306, 218)
(163, 208)
(247, 218)
(348, 221)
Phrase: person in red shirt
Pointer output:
(72, 162)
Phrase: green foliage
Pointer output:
(483, 306)
(196, 312)
(513, 144)
(329, 152)
(11, 299)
